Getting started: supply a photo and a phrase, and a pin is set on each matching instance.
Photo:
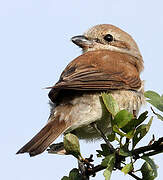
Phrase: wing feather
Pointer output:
(99, 70)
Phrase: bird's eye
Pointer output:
(108, 38)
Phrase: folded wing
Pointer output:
(99, 70)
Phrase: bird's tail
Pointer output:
(44, 138)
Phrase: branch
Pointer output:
(156, 148)
(98, 168)
(111, 148)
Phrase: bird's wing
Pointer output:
(99, 70)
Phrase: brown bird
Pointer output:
(111, 62)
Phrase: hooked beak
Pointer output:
(82, 41)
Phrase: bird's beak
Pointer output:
(82, 41)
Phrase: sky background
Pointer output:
(34, 49)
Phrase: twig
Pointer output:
(111, 148)
(134, 176)
(152, 140)
(157, 146)
(83, 170)
(100, 168)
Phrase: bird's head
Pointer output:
(106, 36)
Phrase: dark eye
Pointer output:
(108, 37)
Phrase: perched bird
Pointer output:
(111, 62)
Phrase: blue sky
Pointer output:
(34, 49)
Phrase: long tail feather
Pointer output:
(44, 138)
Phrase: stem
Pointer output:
(134, 176)
(100, 168)
(155, 148)
(104, 137)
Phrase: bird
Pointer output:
(110, 62)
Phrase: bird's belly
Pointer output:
(86, 109)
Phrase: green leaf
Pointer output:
(105, 149)
(100, 153)
(107, 174)
(127, 123)
(152, 164)
(147, 172)
(130, 134)
(71, 145)
(111, 137)
(159, 116)
(129, 126)
(110, 103)
(117, 139)
(117, 130)
(151, 95)
(141, 118)
(105, 161)
(75, 175)
(122, 152)
(108, 162)
(154, 99)
(65, 178)
(127, 168)
(122, 118)
(133, 123)
(141, 131)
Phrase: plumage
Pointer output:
(100, 69)
(44, 138)
(111, 62)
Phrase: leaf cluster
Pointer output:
(127, 131)
(156, 100)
